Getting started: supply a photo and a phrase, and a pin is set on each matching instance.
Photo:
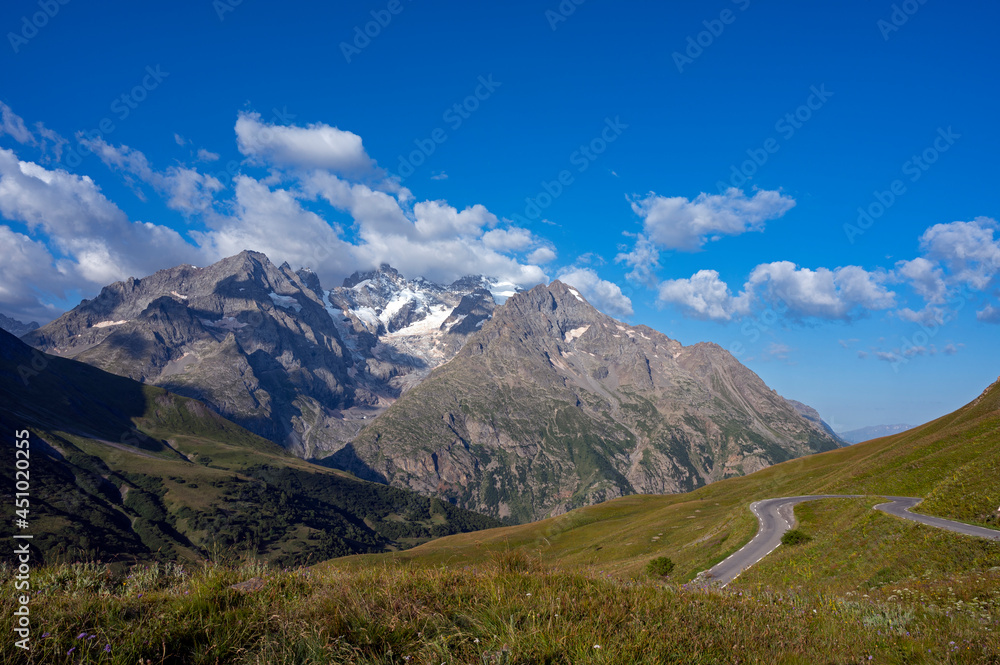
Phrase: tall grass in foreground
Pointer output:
(511, 610)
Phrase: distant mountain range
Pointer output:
(519, 410)
(15, 327)
(872, 432)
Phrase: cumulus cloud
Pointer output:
(187, 190)
(989, 314)
(686, 225)
(507, 240)
(926, 278)
(29, 273)
(207, 155)
(97, 242)
(604, 295)
(273, 221)
(703, 296)
(644, 260)
(840, 294)
(542, 255)
(316, 146)
(843, 293)
(968, 250)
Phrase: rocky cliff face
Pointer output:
(553, 405)
(268, 347)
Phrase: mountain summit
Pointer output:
(267, 347)
(553, 405)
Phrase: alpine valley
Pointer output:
(514, 404)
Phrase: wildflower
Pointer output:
(528, 595)
(44, 635)
(83, 635)
(71, 650)
(597, 646)
(107, 648)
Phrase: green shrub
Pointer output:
(795, 537)
(661, 566)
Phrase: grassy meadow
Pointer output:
(864, 587)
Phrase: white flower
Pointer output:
(597, 646)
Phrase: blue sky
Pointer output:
(699, 168)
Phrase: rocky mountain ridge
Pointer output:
(268, 347)
(553, 405)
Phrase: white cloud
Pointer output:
(47, 140)
(967, 249)
(678, 223)
(508, 240)
(188, 191)
(440, 176)
(840, 294)
(703, 296)
(644, 260)
(542, 255)
(926, 278)
(843, 293)
(13, 124)
(604, 295)
(28, 271)
(275, 223)
(207, 156)
(989, 314)
(98, 242)
(316, 146)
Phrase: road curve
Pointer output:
(900, 507)
(776, 516)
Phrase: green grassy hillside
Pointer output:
(951, 461)
(121, 470)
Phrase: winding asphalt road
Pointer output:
(776, 516)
